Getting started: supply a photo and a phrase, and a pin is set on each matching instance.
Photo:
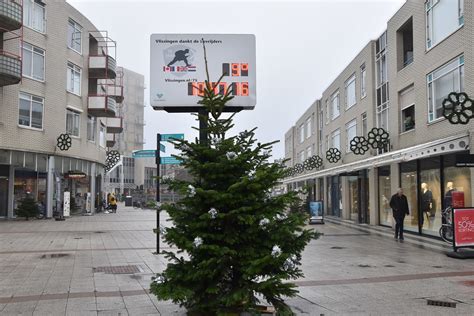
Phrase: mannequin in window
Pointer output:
(448, 196)
(426, 202)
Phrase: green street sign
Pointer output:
(147, 153)
(169, 161)
(167, 137)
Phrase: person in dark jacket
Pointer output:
(399, 205)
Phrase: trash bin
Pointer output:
(128, 201)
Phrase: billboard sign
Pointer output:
(316, 211)
(178, 71)
(463, 221)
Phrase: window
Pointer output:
(327, 111)
(302, 158)
(73, 122)
(308, 127)
(31, 111)
(443, 17)
(102, 136)
(364, 124)
(73, 79)
(351, 132)
(350, 92)
(320, 139)
(382, 97)
(74, 36)
(363, 82)
(444, 80)
(335, 107)
(405, 43)
(34, 15)
(382, 116)
(33, 61)
(309, 152)
(91, 128)
(327, 143)
(301, 130)
(336, 139)
(406, 98)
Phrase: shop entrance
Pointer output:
(359, 196)
(4, 191)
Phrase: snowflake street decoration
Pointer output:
(64, 142)
(191, 191)
(264, 222)
(159, 279)
(298, 168)
(276, 251)
(197, 242)
(213, 213)
(458, 108)
(333, 155)
(231, 155)
(113, 157)
(307, 164)
(359, 145)
(377, 138)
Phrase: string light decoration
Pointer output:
(458, 108)
(64, 142)
(333, 155)
(359, 145)
(378, 138)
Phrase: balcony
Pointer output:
(109, 140)
(102, 106)
(114, 125)
(10, 69)
(102, 67)
(113, 91)
(10, 16)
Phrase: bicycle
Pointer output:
(446, 229)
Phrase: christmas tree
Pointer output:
(236, 243)
(27, 208)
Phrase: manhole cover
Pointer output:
(441, 303)
(337, 247)
(55, 255)
(118, 269)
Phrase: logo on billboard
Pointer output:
(179, 60)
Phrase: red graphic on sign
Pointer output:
(464, 227)
(458, 199)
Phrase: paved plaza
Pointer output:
(102, 265)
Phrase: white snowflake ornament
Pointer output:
(213, 213)
(159, 279)
(191, 191)
(231, 155)
(197, 242)
(281, 217)
(276, 251)
(264, 222)
(289, 264)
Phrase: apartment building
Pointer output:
(398, 83)
(57, 80)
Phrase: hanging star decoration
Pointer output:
(458, 108)
(333, 155)
(378, 138)
(64, 142)
(359, 145)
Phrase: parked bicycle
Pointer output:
(446, 229)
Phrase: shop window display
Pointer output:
(456, 179)
(353, 198)
(385, 193)
(430, 195)
(408, 179)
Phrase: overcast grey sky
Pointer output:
(301, 47)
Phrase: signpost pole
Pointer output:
(158, 206)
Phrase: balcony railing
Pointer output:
(10, 69)
(109, 140)
(113, 91)
(114, 125)
(102, 106)
(10, 15)
(102, 67)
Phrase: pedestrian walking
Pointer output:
(399, 205)
(113, 204)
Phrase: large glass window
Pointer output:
(308, 127)
(309, 152)
(364, 124)
(363, 82)
(350, 91)
(441, 82)
(351, 132)
(33, 61)
(91, 128)
(74, 78)
(335, 106)
(456, 179)
(74, 36)
(430, 195)
(102, 136)
(409, 184)
(31, 111)
(406, 98)
(385, 194)
(353, 197)
(336, 139)
(443, 17)
(34, 15)
(301, 132)
(73, 122)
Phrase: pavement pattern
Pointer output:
(103, 264)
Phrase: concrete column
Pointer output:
(93, 188)
(11, 188)
(346, 212)
(50, 188)
(373, 196)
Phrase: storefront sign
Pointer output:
(67, 204)
(316, 211)
(75, 175)
(463, 220)
(178, 70)
(464, 160)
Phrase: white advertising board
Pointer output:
(178, 72)
(67, 204)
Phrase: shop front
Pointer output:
(334, 196)
(358, 187)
